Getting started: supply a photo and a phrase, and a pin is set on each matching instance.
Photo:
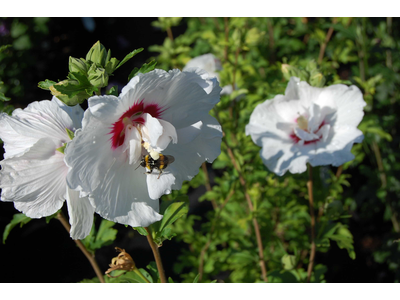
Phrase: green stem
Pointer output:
(157, 255)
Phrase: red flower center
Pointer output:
(134, 116)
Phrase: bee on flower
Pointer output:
(161, 122)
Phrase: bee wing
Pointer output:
(171, 159)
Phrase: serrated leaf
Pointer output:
(45, 85)
(129, 56)
(17, 219)
(143, 69)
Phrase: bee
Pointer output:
(159, 164)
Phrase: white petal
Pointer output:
(122, 197)
(207, 62)
(304, 135)
(188, 156)
(169, 134)
(80, 213)
(74, 112)
(35, 180)
(349, 101)
(44, 119)
(89, 154)
(135, 145)
(184, 97)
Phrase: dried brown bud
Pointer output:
(122, 262)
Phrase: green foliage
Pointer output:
(87, 76)
(20, 219)
(258, 57)
(147, 67)
(171, 212)
(104, 236)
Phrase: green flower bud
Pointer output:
(317, 79)
(291, 71)
(78, 65)
(98, 76)
(98, 54)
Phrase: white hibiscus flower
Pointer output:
(158, 115)
(33, 173)
(211, 65)
(307, 124)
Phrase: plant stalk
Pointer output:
(311, 203)
(255, 222)
(207, 183)
(325, 43)
(157, 256)
(89, 256)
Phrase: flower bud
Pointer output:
(98, 54)
(97, 76)
(78, 65)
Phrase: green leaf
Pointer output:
(17, 219)
(143, 69)
(113, 91)
(4, 47)
(172, 213)
(104, 236)
(288, 262)
(129, 56)
(141, 230)
(49, 218)
(4, 98)
(196, 279)
(45, 85)
(74, 90)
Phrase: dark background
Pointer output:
(41, 252)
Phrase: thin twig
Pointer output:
(89, 256)
(389, 52)
(226, 26)
(207, 244)
(157, 256)
(170, 35)
(311, 202)
(325, 43)
(207, 183)
(382, 174)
